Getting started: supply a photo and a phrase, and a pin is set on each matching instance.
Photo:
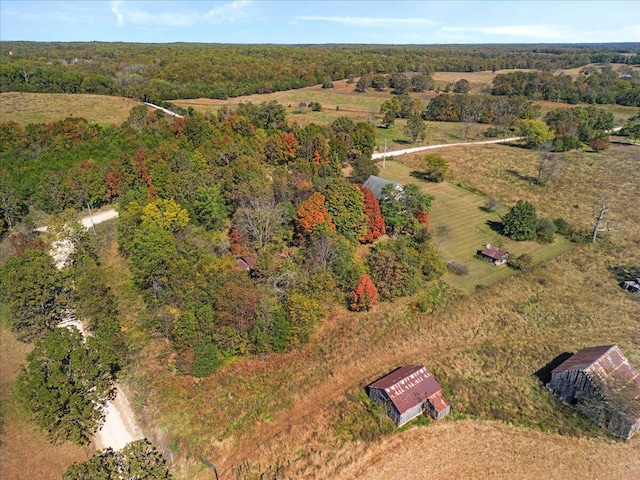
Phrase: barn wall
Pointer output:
(569, 384)
(411, 413)
(380, 396)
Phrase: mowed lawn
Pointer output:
(460, 228)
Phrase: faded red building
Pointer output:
(407, 392)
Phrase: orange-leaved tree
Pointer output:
(375, 222)
(311, 213)
(365, 295)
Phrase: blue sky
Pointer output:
(261, 21)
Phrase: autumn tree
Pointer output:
(65, 387)
(462, 86)
(391, 109)
(535, 132)
(364, 296)
(375, 222)
(312, 213)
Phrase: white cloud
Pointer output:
(126, 13)
(227, 12)
(369, 21)
(115, 8)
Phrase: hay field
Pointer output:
(46, 107)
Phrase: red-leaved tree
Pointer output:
(375, 222)
(311, 213)
(365, 295)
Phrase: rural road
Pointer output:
(165, 110)
(119, 426)
(397, 153)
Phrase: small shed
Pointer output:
(632, 286)
(494, 255)
(377, 184)
(603, 385)
(407, 392)
(247, 264)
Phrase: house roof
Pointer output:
(494, 252)
(376, 184)
(246, 263)
(601, 361)
(409, 386)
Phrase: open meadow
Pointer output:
(301, 415)
(46, 107)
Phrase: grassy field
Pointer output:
(45, 107)
(460, 228)
(279, 413)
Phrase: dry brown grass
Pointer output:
(46, 107)
(25, 452)
(497, 451)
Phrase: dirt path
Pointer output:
(165, 110)
(119, 427)
(396, 153)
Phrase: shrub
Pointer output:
(521, 262)
(457, 268)
(206, 360)
(364, 296)
(491, 205)
(435, 168)
(600, 144)
(546, 230)
(564, 143)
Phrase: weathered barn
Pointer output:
(604, 386)
(377, 184)
(407, 392)
(494, 255)
(632, 286)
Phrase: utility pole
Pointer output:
(384, 157)
(93, 226)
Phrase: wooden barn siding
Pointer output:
(439, 415)
(411, 413)
(576, 383)
(380, 396)
(567, 384)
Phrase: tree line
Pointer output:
(157, 72)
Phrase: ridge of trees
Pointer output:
(158, 72)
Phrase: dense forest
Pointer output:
(168, 71)
(208, 203)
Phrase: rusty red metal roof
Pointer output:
(494, 252)
(601, 361)
(411, 385)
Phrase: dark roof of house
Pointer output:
(601, 361)
(246, 263)
(494, 252)
(376, 184)
(409, 386)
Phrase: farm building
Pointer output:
(632, 286)
(377, 184)
(247, 264)
(604, 386)
(494, 255)
(407, 392)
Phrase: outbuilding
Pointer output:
(632, 286)
(407, 392)
(494, 255)
(377, 184)
(603, 385)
